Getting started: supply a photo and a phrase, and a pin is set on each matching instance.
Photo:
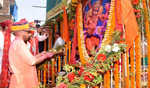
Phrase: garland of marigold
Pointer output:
(108, 37)
(147, 28)
(116, 74)
(138, 60)
(110, 26)
(132, 66)
(81, 45)
(107, 80)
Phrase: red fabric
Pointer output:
(5, 75)
(37, 46)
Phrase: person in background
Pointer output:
(6, 37)
(59, 41)
(42, 34)
(34, 41)
(22, 62)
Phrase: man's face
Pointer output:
(56, 35)
(26, 35)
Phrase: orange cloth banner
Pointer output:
(129, 20)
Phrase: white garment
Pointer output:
(40, 37)
(2, 46)
(59, 42)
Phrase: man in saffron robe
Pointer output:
(22, 62)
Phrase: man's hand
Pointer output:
(49, 54)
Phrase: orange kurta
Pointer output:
(21, 62)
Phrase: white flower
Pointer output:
(107, 48)
(115, 48)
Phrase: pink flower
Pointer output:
(138, 16)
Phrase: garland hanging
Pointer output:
(81, 44)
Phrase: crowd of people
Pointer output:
(19, 53)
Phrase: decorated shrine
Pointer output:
(106, 44)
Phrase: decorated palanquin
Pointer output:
(106, 48)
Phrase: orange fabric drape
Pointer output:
(132, 67)
(129, 20)
(138, 56)
(147, 28)
(66, 29)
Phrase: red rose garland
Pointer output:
(101, 57)
(71, 76)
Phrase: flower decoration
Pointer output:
(101, 57)
(115, 48)
(108, 48)
(71, 76)
(62, 85)
(92, 72)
